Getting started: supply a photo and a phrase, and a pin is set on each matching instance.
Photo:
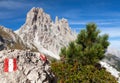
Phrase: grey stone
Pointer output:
(33, 75)
(27, 72)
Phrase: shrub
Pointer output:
(88, 48)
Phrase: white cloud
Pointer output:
(13, 4)
(85, 22)
(97, 21)
(11, 9)
(71, 14)
(5, 15)
(112, 32)
(114, 36)
(115, 44)
(110, 27)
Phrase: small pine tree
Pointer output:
(88, 48)
(79, 59)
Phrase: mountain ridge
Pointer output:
(40, 33)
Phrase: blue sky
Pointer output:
(105, 13)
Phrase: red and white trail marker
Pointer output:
(10, 65)
(43, 57)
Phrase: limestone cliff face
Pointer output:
(30, 68)
(47, 36)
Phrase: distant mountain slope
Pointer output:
(112, 57)
(47, 36)
(9, 39)
(111, 62)
(113, 51)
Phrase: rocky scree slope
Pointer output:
(44, 34)
(30, 68)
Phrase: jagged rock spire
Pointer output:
(37, 16)
(47, 36)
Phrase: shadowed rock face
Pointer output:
(30, 68)
(40, 31)
(10, 40)
(1, 43)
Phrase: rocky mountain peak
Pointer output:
(47, 36)
(36, 16)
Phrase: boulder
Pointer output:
(30, 69)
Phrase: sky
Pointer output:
(105, 13)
